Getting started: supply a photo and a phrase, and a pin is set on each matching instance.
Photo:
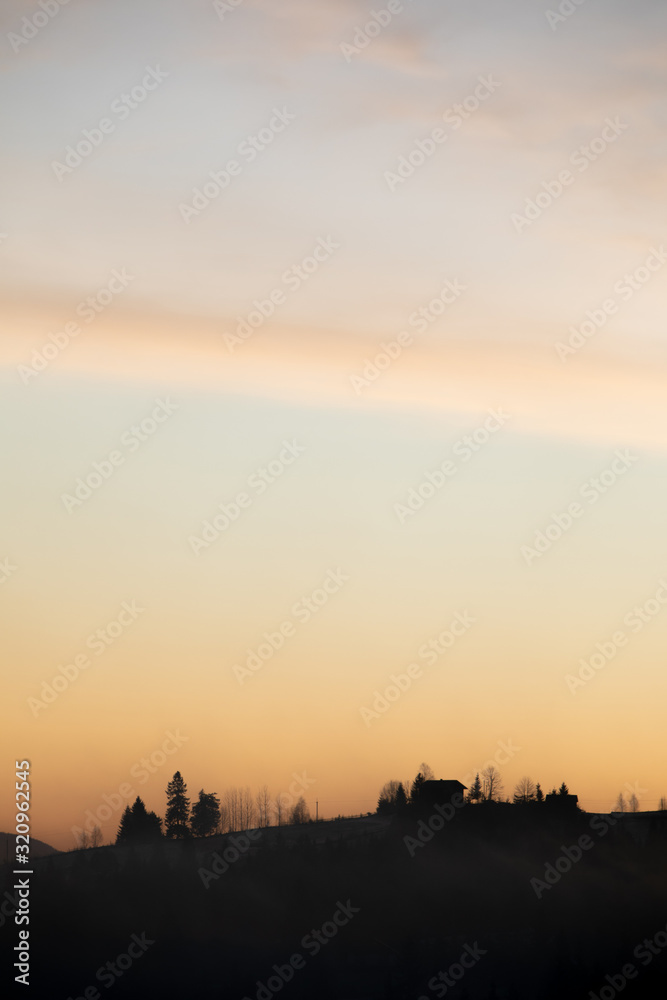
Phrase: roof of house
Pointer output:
(437, 783)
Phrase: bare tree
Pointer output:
(231, 805)
(426, 771)
(247, 809)
(84, 840)
(493, 783)
(263, 803)
(621, 805)
(280, 806)
(524, 791)
(387, 800)
(96, 837)
(223, 825)
(633, 804)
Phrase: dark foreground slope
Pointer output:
(496, 903)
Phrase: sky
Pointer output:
(346, 321)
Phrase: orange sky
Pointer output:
(206, 420)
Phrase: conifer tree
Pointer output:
(125, 827)
(475, 791)
(205, 814)
(178, 808)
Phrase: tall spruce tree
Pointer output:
(125, 827)
(178, 808)
(416, 788)
(475, 791)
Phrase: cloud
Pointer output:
(597, 399)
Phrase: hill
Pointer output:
(38, 849)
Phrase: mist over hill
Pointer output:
(491, 901)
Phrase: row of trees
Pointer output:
(631, 804)
(238, 810)
(396, 795)
(487, 787)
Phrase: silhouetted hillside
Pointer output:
(38, 849)
(514, 903)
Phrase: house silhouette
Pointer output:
(440, 791)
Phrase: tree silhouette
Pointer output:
(300, 812)
(137, 824)
(387, 801)
(475, 793)
(263, 803)
(620, 806)
(231, 802)
(125, 826)
(178, 808)
(563, 790)
(524, 791)
(539, 794)
(633, 804)
(493, 783)
(401, 798)
(415, 790)
(662, 805)
(205, 814)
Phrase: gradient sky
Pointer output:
(166, 337)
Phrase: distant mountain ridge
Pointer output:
(38, 849)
